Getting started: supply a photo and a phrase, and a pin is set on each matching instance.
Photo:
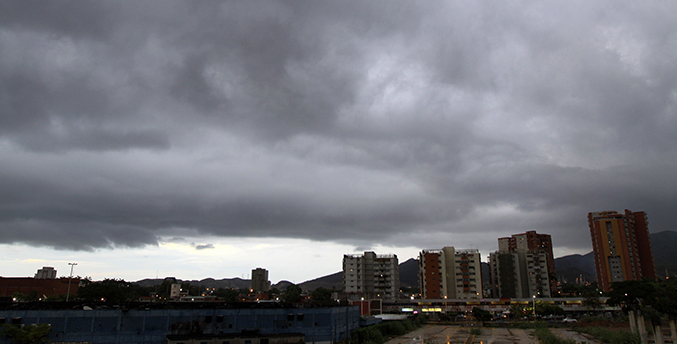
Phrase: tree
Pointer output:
(321, 294)
(273, 293)
(193, 290)
(516, 310)
(481, 315)
(30, 334)
(109, 290)
(631, 294)
(666, 303)
(228, 295)
(634, 297)
(293, 293)
(163, 290)
(543, 308)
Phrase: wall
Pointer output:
(152, 326)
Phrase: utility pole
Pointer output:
(69, 280)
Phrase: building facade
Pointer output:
(44, 284)
(449, 273)
(371, 276)
(206, 321)
(260, 280)
(621, 246)
(535, 243)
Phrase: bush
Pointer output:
(546, 337)
(612, 337)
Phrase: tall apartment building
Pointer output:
(47, 272)
(621, 246)
(533, 242)
(520, 274)
(260, 280)
(450, 274)
(523, 266)
(371, 276)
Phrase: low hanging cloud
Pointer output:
(200, 247)
(379, 123)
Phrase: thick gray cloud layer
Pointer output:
(395, 123)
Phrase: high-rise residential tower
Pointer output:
(535, 243)
(621, 246)
(260, 280)
(371, 276)
(523, 266)
(450, 274)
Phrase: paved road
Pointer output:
(438, 334)
(506, 336)
(434, 334)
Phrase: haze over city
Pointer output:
(205, 139)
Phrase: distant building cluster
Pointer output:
(450, 280)
(522, 267)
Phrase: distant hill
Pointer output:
(409, 273)
(663, 244)
(236, 282)
(571, 267)
(333, 281)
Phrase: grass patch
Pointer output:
(546, 337)
(476, 331)
(611, 337)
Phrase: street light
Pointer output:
(69, 280)
(534, 306)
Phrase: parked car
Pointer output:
(568, 320)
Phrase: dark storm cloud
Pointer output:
(366, 123)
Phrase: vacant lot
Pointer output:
(440, 334)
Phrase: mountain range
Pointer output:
(568, 269)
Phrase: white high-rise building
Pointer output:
(371, 275)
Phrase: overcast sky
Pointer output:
(205, 139)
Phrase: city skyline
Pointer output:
(207, 139)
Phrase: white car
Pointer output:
(568, 320)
